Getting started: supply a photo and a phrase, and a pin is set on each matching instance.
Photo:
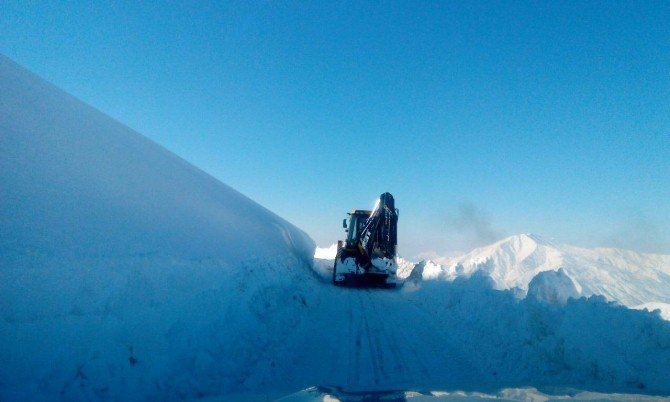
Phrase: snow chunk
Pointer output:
(663, 308)
(326, 253)
(405, 268)
(430, 270)
(424, 270)
(553, 287)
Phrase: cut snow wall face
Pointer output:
(75, 181)
(122, 266)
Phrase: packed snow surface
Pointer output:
(128, 274)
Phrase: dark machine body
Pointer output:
(368, 256)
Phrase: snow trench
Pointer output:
(128, 274)
(160, 328)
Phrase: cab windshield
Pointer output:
(356, 224)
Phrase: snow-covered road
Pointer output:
(464, 335)
(365, 339)
(407, 353)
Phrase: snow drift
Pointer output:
(120, 263)
(76, 181)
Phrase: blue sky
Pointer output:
(484, 119)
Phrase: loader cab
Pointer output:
(357, 219)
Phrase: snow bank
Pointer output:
(464, 335)
(74, 181)
(125, 272)
(553, 287)
(663, 309)
(427, 270)
(585, 343)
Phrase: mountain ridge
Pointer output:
(626, 276)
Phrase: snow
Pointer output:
(663, 308)
(464, 335)
(121, 265)
(529, 394)
(326, 253)
(405, 267)
(553, 287)
(384, 265)
(427, 270)
(76, 181)
(128, 274)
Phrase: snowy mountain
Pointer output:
(621, 275)
(128, 274)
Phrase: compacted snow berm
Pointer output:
(368, 256)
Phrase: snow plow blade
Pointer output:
(366, 281)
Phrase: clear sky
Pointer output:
(483, 119)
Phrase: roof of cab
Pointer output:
(360, 212)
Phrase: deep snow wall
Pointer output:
(125, 272)
(76, 181)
